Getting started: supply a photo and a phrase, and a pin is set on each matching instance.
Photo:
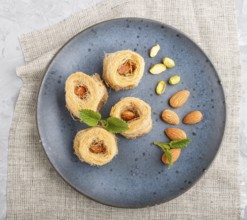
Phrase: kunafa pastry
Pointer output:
(123, 69)
(84, 92)
(136, 113)
(95, 146)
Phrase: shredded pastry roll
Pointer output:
(84, 92)
(123, 69)
(95, 146)
(136, 113)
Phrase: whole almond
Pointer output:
(175, 155)
(175, 134)
(128, 115)
(170, 117)
(193, 117)
(80, 91)
(179, 98)
(97, 148)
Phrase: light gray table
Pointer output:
(22, 16)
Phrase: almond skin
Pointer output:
(193, 118)
(97, 148)
(175, 155)
(175, 134)
(80, 91)
(127, 68)
(128, 115)
(170, 117)
(179, 98)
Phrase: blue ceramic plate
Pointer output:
(136, 177)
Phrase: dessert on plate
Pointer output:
(123, 69)
(95, 146)
(84, 92)
(136, 113)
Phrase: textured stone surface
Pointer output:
(21, 16)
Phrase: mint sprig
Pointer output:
(169, 157)
(166, 147)
(179, 143)
(89, 117)
(116, 125)
(111, 124)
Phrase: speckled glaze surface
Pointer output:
(136, 177)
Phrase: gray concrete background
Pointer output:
(22, 16)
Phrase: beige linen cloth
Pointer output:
(36, 191)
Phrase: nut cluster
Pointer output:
(177, 100)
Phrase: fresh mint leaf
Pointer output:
(166, 147)
(179, 143)
(163, 146)
(90, 117)
(111, 124)
(116, 125)
(169, 157)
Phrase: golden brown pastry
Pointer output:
(84, 92)
(95, 146)
(123, 69)
(136, 113)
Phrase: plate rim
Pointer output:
(67, 181)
